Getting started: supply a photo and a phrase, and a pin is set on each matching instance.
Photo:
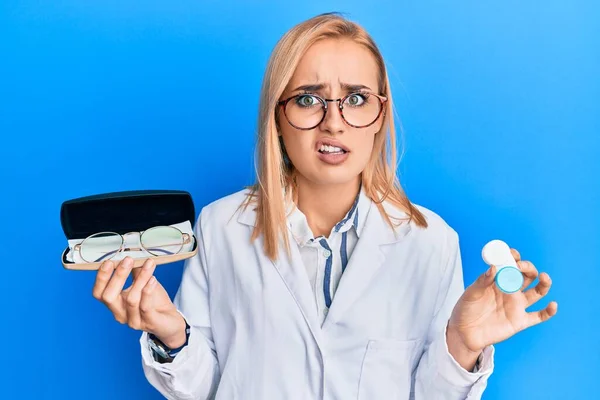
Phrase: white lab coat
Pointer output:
(255, 333)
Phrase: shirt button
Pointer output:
(326, 253)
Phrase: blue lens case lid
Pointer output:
(509, 279)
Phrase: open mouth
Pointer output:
(326, 149)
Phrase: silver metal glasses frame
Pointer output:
(186, 240)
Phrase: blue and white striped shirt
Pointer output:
(326, 258)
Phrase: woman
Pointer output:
(323, 280)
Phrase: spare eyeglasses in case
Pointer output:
(155, 224)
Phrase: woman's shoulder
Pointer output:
(439, 237)
(438, 230)
(434, 219)
(227, 208)
(436, 224)
(439, 233)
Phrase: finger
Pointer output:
(112, 294)
(484, 280)
(138, 270)
(146, 303)
(536, 317)
(135, 272)
(516, 255)
(530, 272)
(534, 294)
(132, 301)
(102, 277)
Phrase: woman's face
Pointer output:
(332, 152)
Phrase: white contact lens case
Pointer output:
(509, 277)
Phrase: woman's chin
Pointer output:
(334, 179)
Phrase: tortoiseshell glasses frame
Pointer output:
(324, 104)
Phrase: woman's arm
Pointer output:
(467, 323)
(194, 373)
(439, 375)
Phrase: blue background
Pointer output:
(499, 103)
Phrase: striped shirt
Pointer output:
(326, 258)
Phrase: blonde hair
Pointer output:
(275, 176)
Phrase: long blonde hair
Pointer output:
(274, 175)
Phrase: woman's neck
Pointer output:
(325, 205)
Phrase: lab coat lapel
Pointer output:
(368, 257)
(292, 272)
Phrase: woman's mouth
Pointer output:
(326, 149)
(332, 155)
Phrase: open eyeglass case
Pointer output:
(127, 214)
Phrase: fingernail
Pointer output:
(147, 264)
(127, 262)
(488, 272)
(152, 282)
(104, 266)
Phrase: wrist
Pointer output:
(465, 356)
(178, 337)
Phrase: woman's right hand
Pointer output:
(145, 305)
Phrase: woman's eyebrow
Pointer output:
(311, 87)
(315, 87)
(354, 87)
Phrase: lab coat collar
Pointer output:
(354, 218)
(368, 256)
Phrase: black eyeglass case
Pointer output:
(125, 212)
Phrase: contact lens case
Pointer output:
(509, 277)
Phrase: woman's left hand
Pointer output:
(485, 315)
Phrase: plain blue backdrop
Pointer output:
(499, 104)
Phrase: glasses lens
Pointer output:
(100, 246)
(361, 109)
(162, 240)
(304, 111)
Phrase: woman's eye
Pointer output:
(356, 99)
(307, 100)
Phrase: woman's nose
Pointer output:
(333, 121)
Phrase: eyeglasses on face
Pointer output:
(359, 109)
